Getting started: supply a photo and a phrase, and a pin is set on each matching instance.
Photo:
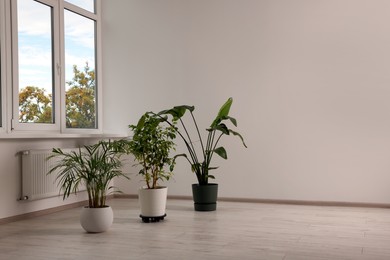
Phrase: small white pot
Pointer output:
(153, 201)
(96, 220)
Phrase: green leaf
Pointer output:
(180, 155)
(221, 152)
(233, 120)
(223, 112)
(213, 168)
(177, 111)
(141, 122)
(223, 128)
(237, 134)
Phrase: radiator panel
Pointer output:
(36, 183)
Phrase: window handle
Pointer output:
(58, 69)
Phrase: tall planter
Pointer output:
(153, 203)
(205, 196)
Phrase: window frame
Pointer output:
(3, 65)
(16, 125)
(58, 38)
(98, 61)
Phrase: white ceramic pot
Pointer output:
(96, 220)
(153, 201)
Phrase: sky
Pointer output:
(34, 42)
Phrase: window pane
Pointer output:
(80, 71)
(35, 62)
(88, 5)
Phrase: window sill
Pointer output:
(55, 135)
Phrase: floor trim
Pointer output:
(276, 201)
(42, 212)
(46, 211)
(309, 203)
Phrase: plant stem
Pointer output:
(215, 146)
(190, 141)
(197, 130)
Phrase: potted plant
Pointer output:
(93, 167)
(204, 193)
(151, 145)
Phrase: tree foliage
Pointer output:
(35, 104)
(80, 99)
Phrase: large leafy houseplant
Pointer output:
(200, 160)
(151, 145)
(94, 166)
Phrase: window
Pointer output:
(55, 64)
(36, 76)
(80, 71)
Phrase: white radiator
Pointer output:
(36, 183)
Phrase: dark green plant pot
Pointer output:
(205, 196)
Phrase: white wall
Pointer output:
(310, 82)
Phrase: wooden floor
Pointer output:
(235, 231)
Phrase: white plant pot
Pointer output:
(96, 220)
(153, 201)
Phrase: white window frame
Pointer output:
(3, 64)
(56, 75)
(98, 61)
(59, 125)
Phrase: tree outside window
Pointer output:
(35, 104)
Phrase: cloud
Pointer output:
(34, 18)
(79, 30)
(30, 55)
(31, 76)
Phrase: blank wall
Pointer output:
(310, 82)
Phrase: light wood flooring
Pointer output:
(235, 231)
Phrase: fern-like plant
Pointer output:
(94, 166)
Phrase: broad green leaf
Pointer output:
(237, 134)
(177, 111)
(223, 112)
(223, 128)
(221, 152)
(185, 107)
(233, 120)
